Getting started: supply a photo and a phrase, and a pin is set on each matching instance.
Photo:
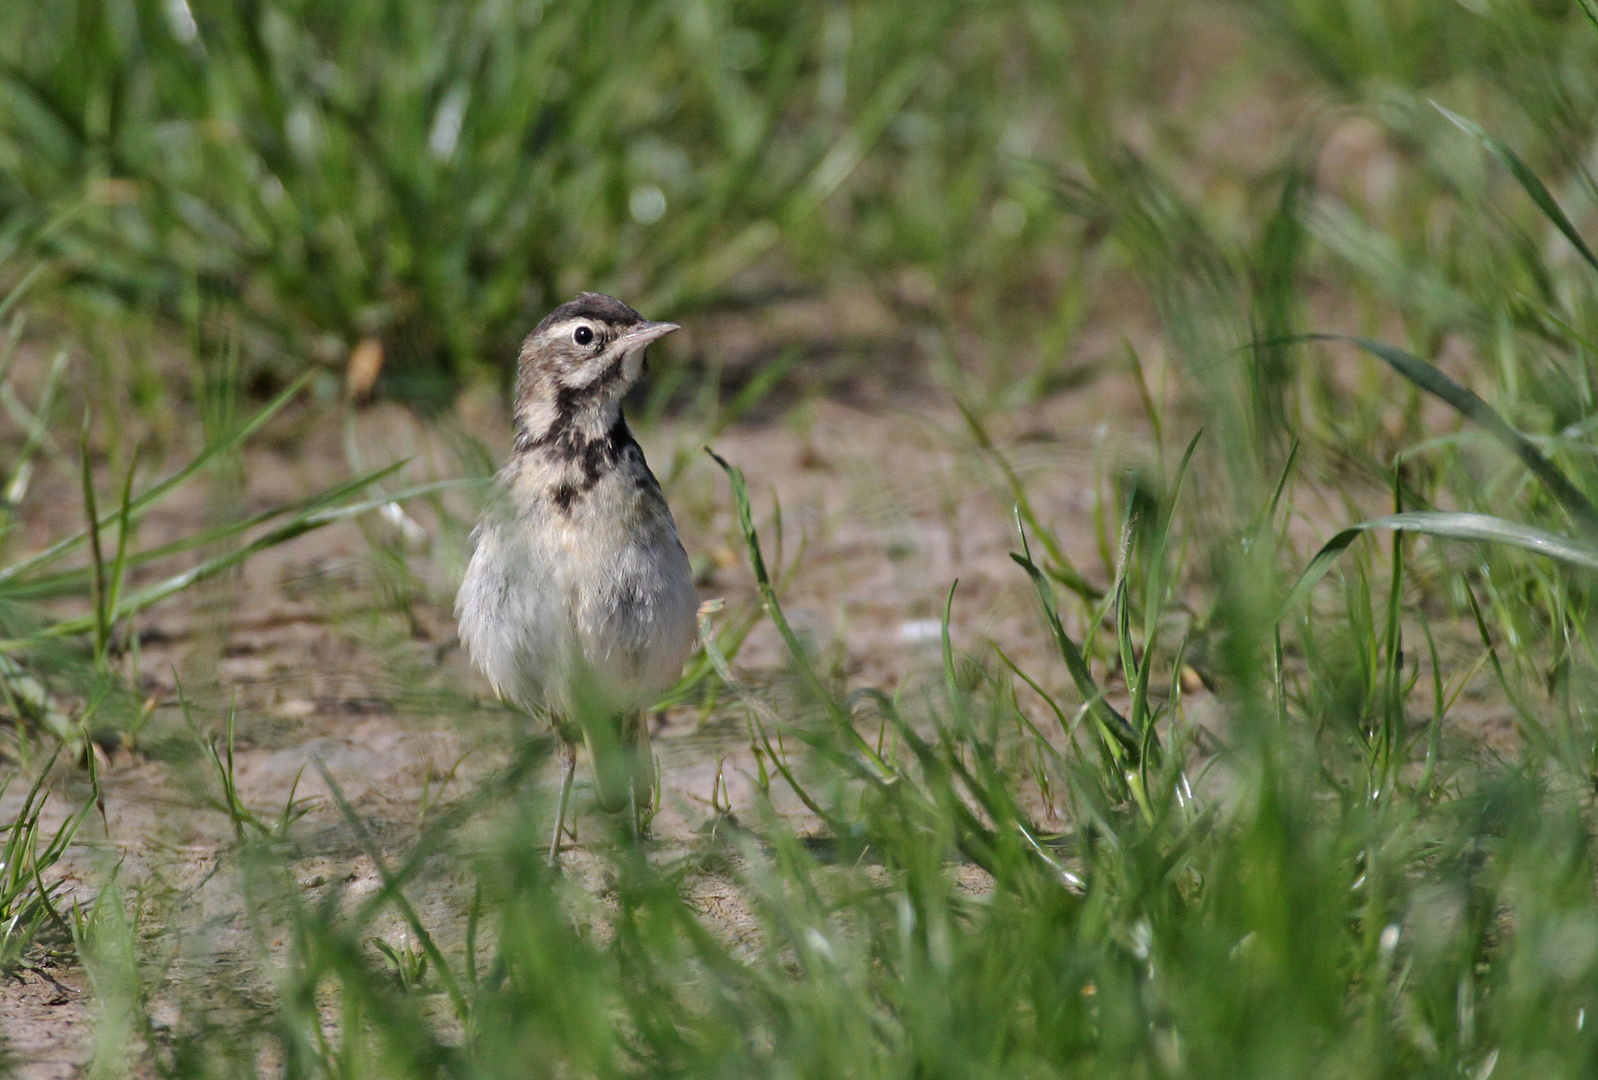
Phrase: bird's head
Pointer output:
(580, 361)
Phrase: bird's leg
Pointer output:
(568, 766)
(643, 773)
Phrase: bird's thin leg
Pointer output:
(568, 766)
(643, 777)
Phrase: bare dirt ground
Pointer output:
(882, 508)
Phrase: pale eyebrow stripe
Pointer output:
(565, 328)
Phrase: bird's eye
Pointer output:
(582, 335)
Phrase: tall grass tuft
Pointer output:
(433, 177)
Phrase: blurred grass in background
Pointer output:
(437, 175)
(1339, 877)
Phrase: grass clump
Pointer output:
(434, 177)
(30, 906)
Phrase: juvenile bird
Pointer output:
(578, 603)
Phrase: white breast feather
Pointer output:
(548, 600)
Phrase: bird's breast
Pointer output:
(593, 581)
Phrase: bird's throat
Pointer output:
(565, 423)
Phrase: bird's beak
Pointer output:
(644, 333)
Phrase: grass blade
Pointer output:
(1472, 407)
(152, 594)
(1528, 180)
(1111, 724)
(97, 583)
(768, 595)
(1589, 9)
(1452, 525)
(69, 582)
(395, 890)
(1060, 566)
(119, 563)
(148, 497)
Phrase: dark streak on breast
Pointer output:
(593, 457)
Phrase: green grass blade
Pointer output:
(119, 563)
(151, 495)
(160, 590)
(951, 681)
(1110, 722)
(71, 582)
(396, 892)
(1268, 511)
(1472, 407)
(97, 583)
(1393, 638)
(1452, 525)
(1060, 566)
(1589, 9)
(1528, 180)
(15, 294)
(760, 716)
(1066, 727)
(768, 595)
(837, 710)
(38, 433)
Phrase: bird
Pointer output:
(578, 603)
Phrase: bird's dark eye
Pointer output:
(582, 335)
